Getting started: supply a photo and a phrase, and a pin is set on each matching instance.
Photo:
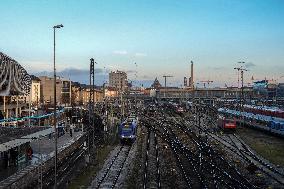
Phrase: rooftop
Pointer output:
(8, 133)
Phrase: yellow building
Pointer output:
(85, 93)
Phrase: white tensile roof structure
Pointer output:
(14, 79)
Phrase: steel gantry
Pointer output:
(91, 102)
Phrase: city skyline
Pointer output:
(162, 37)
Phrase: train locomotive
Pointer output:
(127, 130)
(226, 123)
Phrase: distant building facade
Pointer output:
(280, 90)
(85, 95)
(118, 79)
(47, 90)
(66, 92)
(265, 89)
(76, 94)
(156, 84)
(111, 92)
(34, 96)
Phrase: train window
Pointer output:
(126, 129)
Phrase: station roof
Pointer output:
(12, 137)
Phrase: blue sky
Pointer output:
(161, 36)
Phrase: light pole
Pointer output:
(17, 109)
(4, 107)
(105, 81)
(54, 116)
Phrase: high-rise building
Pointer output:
(118, 79)
(47, 89)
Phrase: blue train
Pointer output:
(276, 127)
(128, 129)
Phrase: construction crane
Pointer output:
(166, 76)
(242, 69)
(204, 82)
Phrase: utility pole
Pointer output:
(29, 121)
(166, 76)
(242, 78)
(122, 106)
(91, 102)
(4, 107)
(17, 108)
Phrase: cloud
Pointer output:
(124, 52)
(249, 65)
(35, 66)
(143, 82)
(70, 72)
(75, 71)
(78, 75)
(120, 52)
(130, 71)
(140, 54)
(146, 77)
(218, 68)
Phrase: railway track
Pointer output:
(199, 167)
(170, 139)
(112, 173)
(239, 148)
(63, 167)
(152, 162)
(252, 158)
(209, 164)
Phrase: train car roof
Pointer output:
(251, 115)
(266, 108)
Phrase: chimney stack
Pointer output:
(185, 82)
(191, 75)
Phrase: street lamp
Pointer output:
(54, 118)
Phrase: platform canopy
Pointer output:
(14, 79)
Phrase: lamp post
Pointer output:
(4, 107)
(54, 118)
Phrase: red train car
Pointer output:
(226, 123)
(179, 109)
(263, 110)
